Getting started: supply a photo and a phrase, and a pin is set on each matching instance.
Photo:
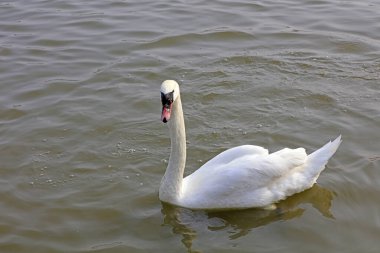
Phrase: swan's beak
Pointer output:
(167, 103)
(166, 111)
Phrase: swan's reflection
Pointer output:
(239, 223)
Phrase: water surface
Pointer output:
(82, 148)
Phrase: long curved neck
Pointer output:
(170, 189)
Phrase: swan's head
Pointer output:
(169, 93)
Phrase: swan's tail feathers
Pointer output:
(319, 158)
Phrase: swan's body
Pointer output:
(241, 177)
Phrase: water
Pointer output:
(83, 150)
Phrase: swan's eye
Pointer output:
(167, 99)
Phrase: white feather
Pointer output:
(240, 177)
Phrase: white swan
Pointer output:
(241, 177)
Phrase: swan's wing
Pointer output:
(255, 171)
(280, 163)
(234, 153)
(241, 178)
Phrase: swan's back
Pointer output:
(247, 176)
(243, 179)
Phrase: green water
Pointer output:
(82, 148)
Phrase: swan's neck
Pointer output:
(170, 189)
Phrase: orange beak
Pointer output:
(165, 115)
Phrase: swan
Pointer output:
(242, 177)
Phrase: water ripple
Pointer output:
(83, 149)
